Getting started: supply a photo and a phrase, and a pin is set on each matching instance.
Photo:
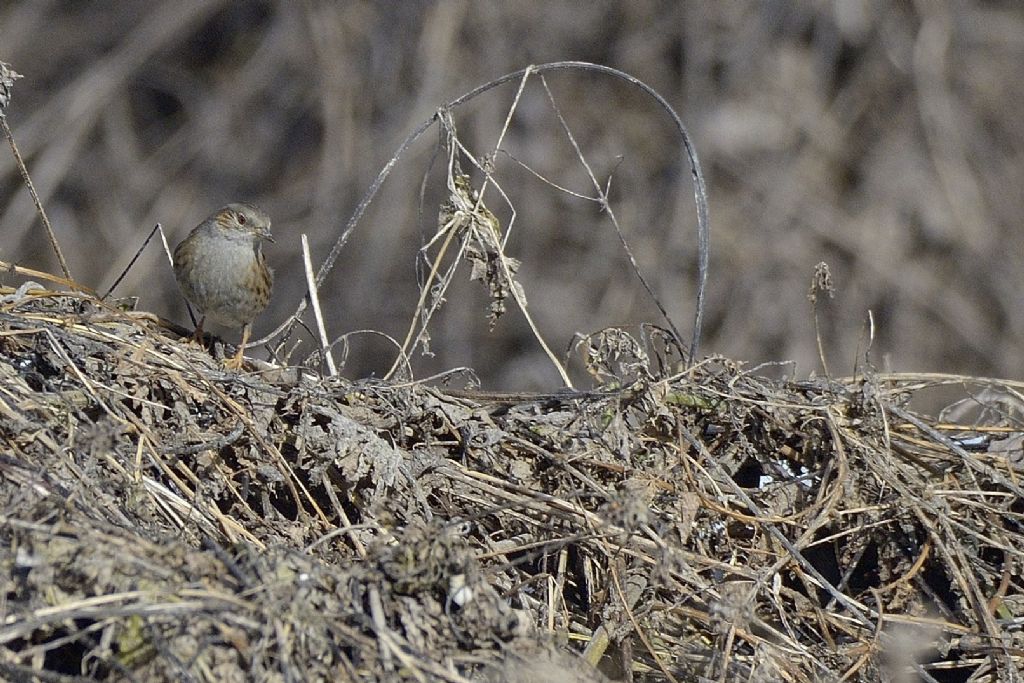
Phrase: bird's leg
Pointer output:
(236, 362)
(197, 336)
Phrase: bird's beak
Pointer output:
(266, 234)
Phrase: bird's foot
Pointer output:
(235, 362)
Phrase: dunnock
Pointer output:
(221, 269)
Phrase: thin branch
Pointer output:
(606, 206)
(315, 300)
(35, 197)
(699, 189)
(138, 252)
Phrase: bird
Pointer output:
(221, 270)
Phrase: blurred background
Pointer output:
(884, 138)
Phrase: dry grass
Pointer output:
(166, 520)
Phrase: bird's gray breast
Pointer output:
(221, 282)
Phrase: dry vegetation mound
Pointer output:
(166, 520)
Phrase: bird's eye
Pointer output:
(241, 219)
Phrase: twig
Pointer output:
(29, 272)
(156, 228)
(605, 204)
(170, 262)
(515, 291)
(405, 349)
(7, 78)
(820, 283)
(699, 188)
(325, 346)
(455, 228)
(35, 197)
